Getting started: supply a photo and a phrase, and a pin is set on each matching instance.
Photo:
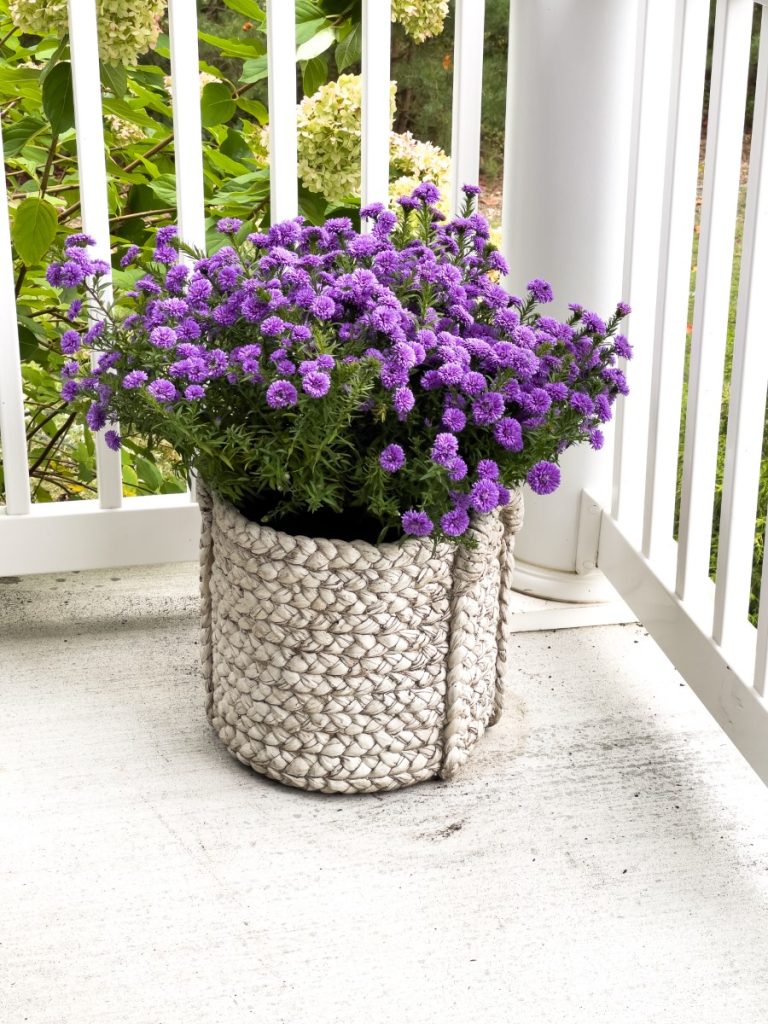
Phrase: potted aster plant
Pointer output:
(360, 411)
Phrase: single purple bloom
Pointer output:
(445, 449)
(593, 322)
(392, 458)
(484, 496)
(75, 306)
(541, 290)
(113, 440)
(596, 439)
(164, 235)
(229, 225)
(623, 309)
(96, 416)
(163, 337)
(458, 469)
(426, 193)
(488, 408)
(454, 420)
(455, 523)
(69, 390)
(622, 347)
(403, 401)
(316, 384)
(582, 403)
(281, 394)
(70, 343)
(417, 524)
(162, 390)
(273, 326)
(509, 434)
(134, 379)
(487, 469)
(470, 190)
(79, 239)
(543, 477)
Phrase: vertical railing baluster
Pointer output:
(12, 427)
(376, 116)
(92, 169)
(187, 128)
(678, 215)
(656, 19)
(722, 168)
(283, 159)
(467, 97)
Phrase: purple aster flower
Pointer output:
(71, 368)
(194, 391)
(74, 308)
(623, 309)
(503, 497)
(134, 379)
(96, 416)
(113, 440)
(79, 239)
(582, 403)
(593, 322)
(454, 523)
(161, 390)
(164, 235)
(163, 337)
(69, 390)
(372, 211)
(165, 254)
(417, 524)
(509, 434)
(281, 394)
(70, 343)
(445, 449)
(323, 307)
(427, 193)
(622, 347)
(229, 225)
(273, 326)
(541, 290)
(403, 401)
(484, 496)
(470, 190)
(596, 439)
(301, 333)
(543, 477)
(474, 383)
(454, 420)
(488, 408)
(129, 256)
(316, 384)
(488, 469)
(458, 469)
(392, 458)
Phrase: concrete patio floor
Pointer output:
(604, 858)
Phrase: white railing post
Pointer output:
(376, 120)
(283, 159)
(569, 117)
(92, 169)
(12, 429)
(467, 97)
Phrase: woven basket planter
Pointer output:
(347, 667)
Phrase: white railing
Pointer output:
(703, 626)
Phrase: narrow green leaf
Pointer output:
(217, 105)
(308, 10)
(314, 74)
(248, 8)
(349, 49)
(253, 47)
(57, 98)
(34, 228)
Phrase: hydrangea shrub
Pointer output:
(308, 367)
(329, 145)
(127, 28)
(421, 19)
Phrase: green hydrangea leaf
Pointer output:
(217, 105)
(58, 105)
(34, 229)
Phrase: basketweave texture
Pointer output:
(345, 667)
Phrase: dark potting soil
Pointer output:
(353, 524)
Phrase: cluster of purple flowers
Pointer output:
(458, 373)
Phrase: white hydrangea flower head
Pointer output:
(205, 79)
(124, 132)
(127, 28)
(421, 19)
(329, 144)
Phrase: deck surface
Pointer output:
(604, 858)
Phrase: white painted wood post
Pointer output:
(283, 160)
(12, 427)
(467, 97)
(569, 117)
(376, 120)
